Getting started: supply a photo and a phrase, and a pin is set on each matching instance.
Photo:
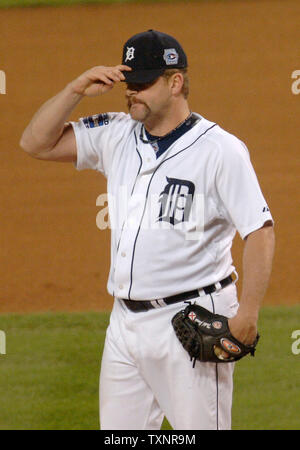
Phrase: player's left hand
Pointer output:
(243, 327)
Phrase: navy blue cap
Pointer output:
(149, 54)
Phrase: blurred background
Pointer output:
(242, 56)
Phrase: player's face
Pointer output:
(148, 101)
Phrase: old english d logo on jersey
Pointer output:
(176, 201)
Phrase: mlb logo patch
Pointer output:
(170, 56)
(97, 120)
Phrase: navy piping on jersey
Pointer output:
(139, 169)
(141, 163)
(146, 198)
(217, 373)
(164, 143)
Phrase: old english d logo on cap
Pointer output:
(129, 54)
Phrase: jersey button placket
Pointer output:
(127, 242)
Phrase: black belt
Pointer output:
(145, 305)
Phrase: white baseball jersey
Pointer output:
(173, 218)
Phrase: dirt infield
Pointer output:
(241, 57)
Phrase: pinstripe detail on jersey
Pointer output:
(146, 198)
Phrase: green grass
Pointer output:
(49, 375)
(267, 387)
(22, 3)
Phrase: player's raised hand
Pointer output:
(98, 80)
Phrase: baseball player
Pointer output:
(179, 187)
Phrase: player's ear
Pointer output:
(176, 83)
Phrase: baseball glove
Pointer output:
(206, 336)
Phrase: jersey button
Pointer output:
(121, 286)
(123, 254)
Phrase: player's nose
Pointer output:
(130, 91)
(134, 88)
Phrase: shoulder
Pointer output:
(223, 144)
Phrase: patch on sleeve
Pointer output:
(97, 120)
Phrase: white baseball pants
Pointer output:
(146, 374)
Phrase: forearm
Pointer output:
(47, 125)
(257, 266)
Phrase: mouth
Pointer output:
(135, 105)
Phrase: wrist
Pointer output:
(70, 90)
(249, 312)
